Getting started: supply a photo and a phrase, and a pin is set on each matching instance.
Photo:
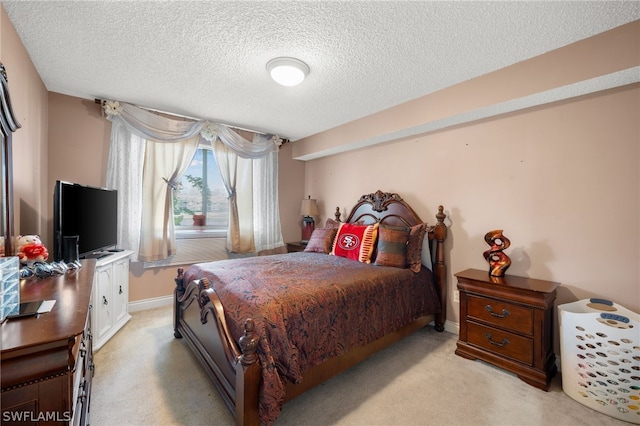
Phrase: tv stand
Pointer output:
(110, 296)
(97, 255)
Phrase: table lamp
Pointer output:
(308, 209)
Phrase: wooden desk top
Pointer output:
(67, 319)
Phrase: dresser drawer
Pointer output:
(503, 343)
(502, 314)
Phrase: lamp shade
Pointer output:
(309, 207)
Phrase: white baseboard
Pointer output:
(155, 302)
(451, 327)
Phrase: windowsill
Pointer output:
(189, 232)
(193, 248)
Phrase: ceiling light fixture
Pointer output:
(287, 71)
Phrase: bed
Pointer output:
(268, 328)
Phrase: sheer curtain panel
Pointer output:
(124, 173)
(266, 213)
(149, 153)
(164, 163)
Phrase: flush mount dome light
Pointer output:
(287, 71)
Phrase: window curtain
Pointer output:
(252, 185)
(164, 163)
(136, 137)
(233, 169)
(124, 173)
(266, 213)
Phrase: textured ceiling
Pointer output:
(207, 59)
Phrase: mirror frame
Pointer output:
(8, 125)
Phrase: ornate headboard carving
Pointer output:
(383, 207)
(390, 209)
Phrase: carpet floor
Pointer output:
(144, 376)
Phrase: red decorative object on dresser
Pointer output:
(508, 322)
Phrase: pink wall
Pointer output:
(560, 178)
(30, 149)
(615, 50)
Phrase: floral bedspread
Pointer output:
(308, 307)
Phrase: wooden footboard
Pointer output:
(199, 319)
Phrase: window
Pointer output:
(200, 205)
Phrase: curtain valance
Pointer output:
(148, 154)
(150, 126)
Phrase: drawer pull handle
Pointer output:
(104, 301)
(504, 313)
(493, 342)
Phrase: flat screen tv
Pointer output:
(87, 212)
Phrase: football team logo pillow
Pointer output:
(355, 241)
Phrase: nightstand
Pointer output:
(295, 246)
(508, 322)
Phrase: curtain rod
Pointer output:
(100, 102)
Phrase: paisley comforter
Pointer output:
(309, 307)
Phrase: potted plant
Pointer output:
(178, 209)
(200, 219)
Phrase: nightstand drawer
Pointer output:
(503, 343)
(502, 314)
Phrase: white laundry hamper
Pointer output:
(600, 357)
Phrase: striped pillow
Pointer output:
(332, 223)
(414, 247)
(321, 240)
(392, 246)
(355, 241)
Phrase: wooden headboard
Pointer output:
(390, 209)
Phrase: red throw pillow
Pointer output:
(355, 242)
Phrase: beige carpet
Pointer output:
(146, 377)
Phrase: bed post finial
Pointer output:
(440, 269)
(337, 214)
(249, 343)
(440, 215)
(179, 279)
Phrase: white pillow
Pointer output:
(426, 253)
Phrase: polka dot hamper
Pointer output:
(600, 357)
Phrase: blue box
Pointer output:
(9, 286)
